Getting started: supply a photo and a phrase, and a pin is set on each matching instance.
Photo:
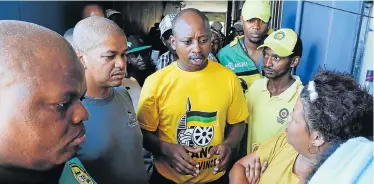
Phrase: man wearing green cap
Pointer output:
(271, 99)
(241, 55)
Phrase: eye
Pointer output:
(187, 42)
(203, 40)
(277, 58)
(124, 55)
(63, 106)
(111, 57)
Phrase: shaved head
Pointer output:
(23, 48)
(40, 74)
(93, 31)
(92, 10)
(188, 16)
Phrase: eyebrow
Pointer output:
(72, 95)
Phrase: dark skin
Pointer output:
(255, 31)
(44, 114)
(215, 43)
(140, 59)
(105, 65)
(92, 10)
(192, 43)
(278, 70)
(167, 43)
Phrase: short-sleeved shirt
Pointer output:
(191, 109)
(113, 151)
(268, 114)
(236, 59)
(281, 158)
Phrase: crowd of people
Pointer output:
(87, 106)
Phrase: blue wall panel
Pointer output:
(9, 10)
(328, 34)
(48, 14)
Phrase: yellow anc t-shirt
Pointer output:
(281, 158)
(191, 109)
(268, 114)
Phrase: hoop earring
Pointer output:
(316, 151)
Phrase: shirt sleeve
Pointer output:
(268, 149)
(238, 110)
(147, 113)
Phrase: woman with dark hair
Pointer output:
(331, 108)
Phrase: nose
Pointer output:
(256, 24)
(80, 114)
(120, 62)
(196, 47)
(268, 61)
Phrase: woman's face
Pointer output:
(298, 135)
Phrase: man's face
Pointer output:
(192, 41)
(274, 65)
(167, 43)
(215, 43)
(255, 29)
(140, 59)
(106, 63)
(45, 114)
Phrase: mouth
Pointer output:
(254, 35)
(269, 71)
(118, 75)
(80, 138)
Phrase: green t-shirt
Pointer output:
(234, 57)
(75, 173)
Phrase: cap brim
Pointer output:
(278, 49)
(139, 49)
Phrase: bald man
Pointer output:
(184, 109)
(41, 113)
(113, 152)
(92, 10)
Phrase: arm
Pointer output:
(235, 134)
(237, 173)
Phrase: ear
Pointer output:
(172, 42)
(295, 61)
(317, 139)
(82, 58)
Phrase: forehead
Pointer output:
(269, 51)
(114, 42)
(190, 26)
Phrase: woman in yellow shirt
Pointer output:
(331, 108)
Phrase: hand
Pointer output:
(224, 153)
(178, 157)
(254, 170)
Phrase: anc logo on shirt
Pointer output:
(279, 36)
(196, 128)
(283, 114)
(80, 174)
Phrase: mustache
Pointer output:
(196, 56)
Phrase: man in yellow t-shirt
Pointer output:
(184, 108)
(271, 99)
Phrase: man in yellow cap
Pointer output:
(241, 55)
(271, 99)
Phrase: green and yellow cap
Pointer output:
(282, 42)
(256, 9)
